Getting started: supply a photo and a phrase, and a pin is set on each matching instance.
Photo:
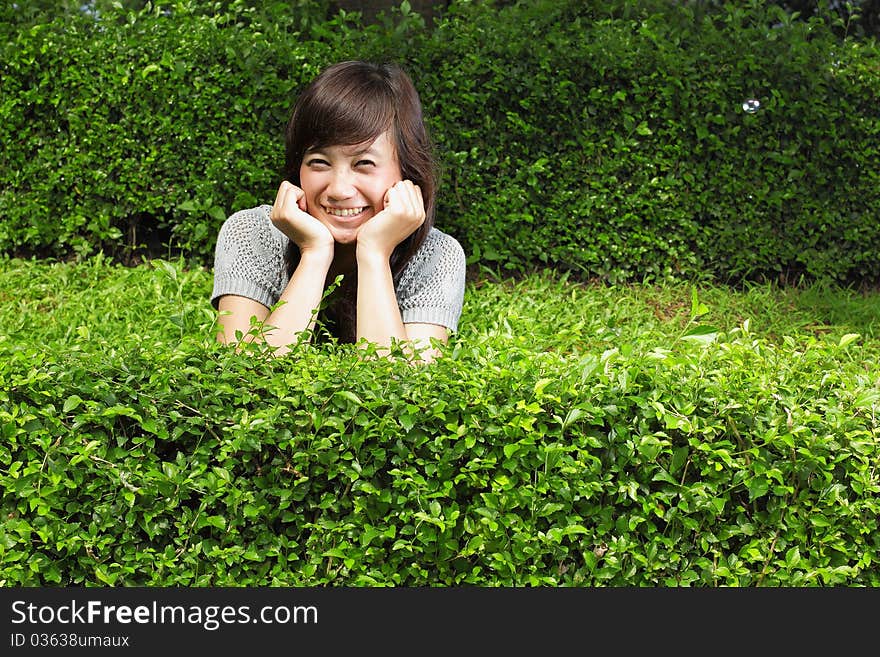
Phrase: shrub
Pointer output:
(605, 139)
(144, 126)
(606, 449)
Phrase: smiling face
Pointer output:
(345, 185)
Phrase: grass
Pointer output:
(560, 315)
(58, 305)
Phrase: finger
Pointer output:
(398, 195)
(416, 204)
(293, 199)
(419, 201)
(279, 200)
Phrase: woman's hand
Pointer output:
(290, 215)
(402, 215)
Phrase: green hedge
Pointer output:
(607, 139)
(593, 450)
(145, 127)
(612, 140)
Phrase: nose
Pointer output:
(340, 186)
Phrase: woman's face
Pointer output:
(345, 185)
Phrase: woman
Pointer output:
(357, 200)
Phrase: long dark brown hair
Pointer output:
(349, 103)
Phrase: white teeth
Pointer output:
(344, 212)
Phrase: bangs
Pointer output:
(348, 117)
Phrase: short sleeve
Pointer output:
(431, 287)
(249, 258)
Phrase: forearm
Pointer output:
(298, 304)
(378, 315)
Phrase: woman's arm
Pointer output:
(234, 316)
(420, 336)
(296, 308)
(294, 313)
(378, 314)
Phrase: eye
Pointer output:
(317, 162)
(365, 163)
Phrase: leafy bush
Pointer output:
(634, 440)
(143, 126)
(610, 139)
(605, 139)
(571, 435)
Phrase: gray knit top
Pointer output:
(249, 262)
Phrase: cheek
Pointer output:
(307, 182)
(377, 192)
(386, 183)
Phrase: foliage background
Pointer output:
(575, 433)
(607, 139)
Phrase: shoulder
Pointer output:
(251, 229)
(247, 222)
(440, 249)
(432, 286)
(249, 258)
(439, 257)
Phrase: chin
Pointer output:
(348, 236)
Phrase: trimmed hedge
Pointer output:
(135, 451)
(610, 139)
(155, 125)
(607, 139)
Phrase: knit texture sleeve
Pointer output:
(431, 286)
(249, 258)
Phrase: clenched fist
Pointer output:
(290, 215)
(403, 213)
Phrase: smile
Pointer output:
(344, 212)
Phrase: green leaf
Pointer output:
(679, 458)
(339, 553)
(217, 213)
(104, 576)
(217, 521)
(407, 422)
(758, 487)
(350, 396)
(572, 416)
(222, 473)
(701, 333)
(71, 403)
(662, 475)
(698, 308)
